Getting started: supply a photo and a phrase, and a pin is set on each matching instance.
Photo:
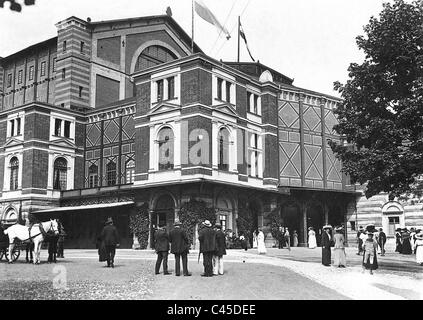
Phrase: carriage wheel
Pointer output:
(2, 254)
(15, 254)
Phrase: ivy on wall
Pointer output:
(194, 212)
(245, 222)
(139, 224)
(276, 221)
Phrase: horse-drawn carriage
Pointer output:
(4, 247)
(23, 238)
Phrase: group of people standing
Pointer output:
(284, 238)
(212, 245)
(379, 236)
(410, 242)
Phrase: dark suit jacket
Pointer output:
(325, 240)
(382, 237)
(220, 243)
(207, 239)
(109, 235)
(179, 241)
(161, 241)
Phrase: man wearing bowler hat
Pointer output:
(110, 237)
(180, 248)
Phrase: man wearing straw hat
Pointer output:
(207, 238)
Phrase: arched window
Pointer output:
(223, 149)
(93, 176)
(111, 173)
(153, 56)
(14, 173)
(60, 174)
(166, 149)
(130, 171)
(10, 217)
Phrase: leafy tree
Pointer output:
(381, 115)
(15, 6)
(139, 224)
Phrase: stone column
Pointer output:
(150, 214)
(304, 223)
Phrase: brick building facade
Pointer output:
(110, 116)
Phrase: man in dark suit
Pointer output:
(161, 245)
(220, 250)
(381, 241)
(180, 248)
(207, 237)
(110, 238)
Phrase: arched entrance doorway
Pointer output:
(291, 218)
(316, 219)
(10, 217)
(163, 215)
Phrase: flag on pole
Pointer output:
(242, 34)
(207, 15)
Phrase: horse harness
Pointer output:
(42, 231)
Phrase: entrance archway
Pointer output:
(163, 214)
(291, 217)
(316, 219)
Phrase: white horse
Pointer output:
(36, 234)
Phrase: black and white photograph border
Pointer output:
(273, 146)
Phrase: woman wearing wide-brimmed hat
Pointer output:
(419, 248)
(370, 253)
(398, 247)
(312, 243)
(406, 243)
(339, 256)
(326, 245)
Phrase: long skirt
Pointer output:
(326, 256)
(312, 243)
(295, 242)
(261, 248)
(419, 254)
(406, 247)
(398, 248)
(339, 257)
(366, 261)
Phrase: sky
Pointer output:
(311, 41)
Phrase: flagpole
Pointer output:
(239, 26)
(192, 38)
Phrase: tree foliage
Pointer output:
(16, 6)
(381, 115)
(276, 221)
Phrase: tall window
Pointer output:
(166, 149)
(9, 80)
(223, 148)
(219, 88)
(130, 171)
(64, 46)
(66, 129)
(43, 68)
(80, 91)
(253, 103)
(20, 76)
(15, 127)
(160, 90)
(93, 176)
(54, 64)
(254, 154)
(82, 47)
(14, 173)
(111, 173)
(60, 174)
(228, 91)
(63, 73)
(57, 127)
(170, 88)
(31, 73)
(222, 219)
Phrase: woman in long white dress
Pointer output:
(312, 243)
(255, 240)
(419, 248)
(261, 248)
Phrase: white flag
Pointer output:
(207, 15)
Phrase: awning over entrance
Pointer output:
(87, 207)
